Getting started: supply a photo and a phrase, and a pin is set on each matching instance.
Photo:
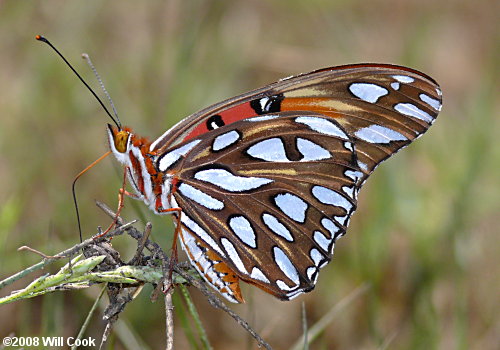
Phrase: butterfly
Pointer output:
(263, 184)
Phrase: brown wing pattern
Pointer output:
(268, 195)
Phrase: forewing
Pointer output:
(343, 92)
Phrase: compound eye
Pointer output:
(121, 140)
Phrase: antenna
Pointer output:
(86, 57)
(116, 121)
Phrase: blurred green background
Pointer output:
(424, 239)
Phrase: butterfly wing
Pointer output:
(264, 197)
(326, 91)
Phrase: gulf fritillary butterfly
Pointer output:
(263, 184)
(266, 182)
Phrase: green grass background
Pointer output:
(425, 237)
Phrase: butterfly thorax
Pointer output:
(150, 185)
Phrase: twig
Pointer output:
(212, 299)
(140, 247)
(69, 273)
(113, 270)
(24, 247)
(319, 326)
(169, 311)
(89, 316)
(218, 304)
(169, 307)
(70, 252)
(110, 212)
(196, 317)
(304, 326)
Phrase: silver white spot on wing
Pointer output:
(257, 274)
(233, 255)
(403, 79)
(322, 241)
(316, 256)
(286, 265)
(201, 233)
(379, 134)
(330, 197)
(283, 286)
(214, 125)
(413, 111)
(277, 227)
(353, 174)
(312, 274)
(225, 140)
(330, 226)
(362, 165)
(395, 86)
(243, 230)
(311, 151)
(348, 145)
(200, 197)
(227, 181)
(271, 150)
(349, 190)
(430, 101)
(292, 206)
(263, 103)
(342, 219)
(323, 126)
(261, 118)
(173, 156)
(368, 92)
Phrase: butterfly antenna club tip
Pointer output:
(45, 40)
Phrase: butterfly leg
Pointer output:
(121, 193)
(173, 255)
(178, 213)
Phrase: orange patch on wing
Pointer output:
(230, 279)
(314, 104)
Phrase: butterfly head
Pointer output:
(119, 141)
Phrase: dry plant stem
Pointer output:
(157, 252)
(109, 212)
(320, 326)
(169, 310)
(24, 247)
(169, 306)
(142, 243)
(65, 253)
(218, 304)
(304, 326)
(212, 299)
(89, 316)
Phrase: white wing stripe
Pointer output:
(229, 182)
(379, 134)
(368, 92)
(200, 197)
(243, 230)
(286, 265)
